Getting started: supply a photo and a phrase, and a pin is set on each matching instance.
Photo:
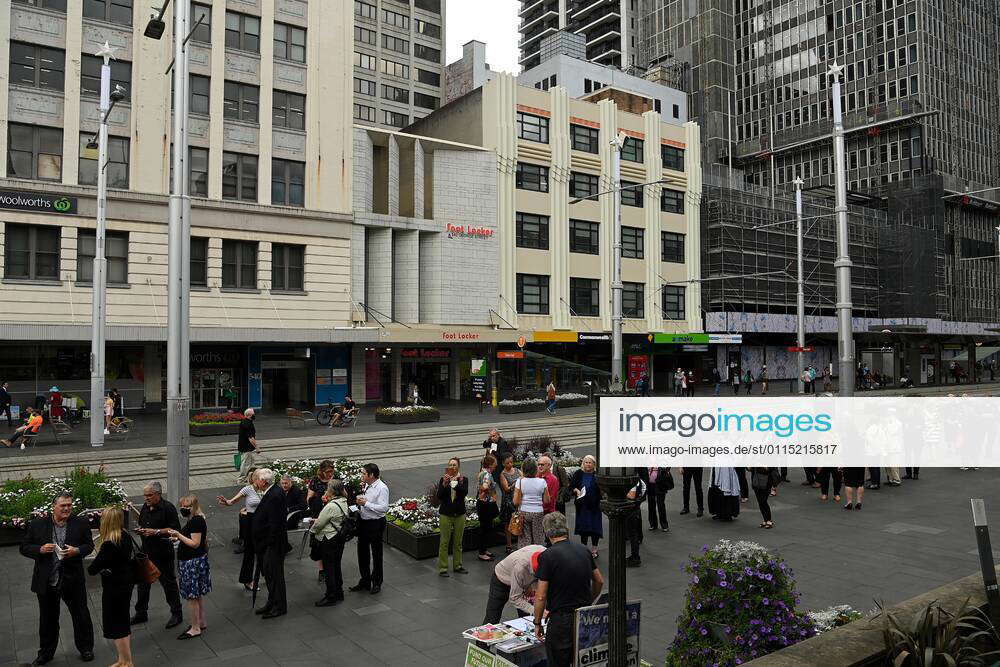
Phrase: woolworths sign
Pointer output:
(37, 202)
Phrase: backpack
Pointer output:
(349, 527)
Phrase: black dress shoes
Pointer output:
(262, 611)
(359, 587)
(43, 660)
(139, 618)
(87, 656)
(274, 613)
(375, 589)
(175, 620)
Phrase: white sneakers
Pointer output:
(107, 432)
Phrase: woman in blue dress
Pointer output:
(588, 503)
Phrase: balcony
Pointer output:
(583, 12)
(527, 7)
(528, 24)
(537, 35)
(601, 24)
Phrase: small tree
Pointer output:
(740, 606)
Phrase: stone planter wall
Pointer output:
(199, 430)
(426, 546)
(516, 409)
(402, 418)
(10, 536)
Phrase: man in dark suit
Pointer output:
(658, 482)
(58, 544)
(497, 445)
(270, 537)
(158, 516)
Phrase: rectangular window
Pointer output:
(428, 5)
(242, 32)
(671, 201)
(395, 44)
(583, 185)
(584, 138)
(116, 170)
(239, 264)
(401, 21)
(115, 252)
(362, 36)
(288, 267)
(200, 87)
(57, 5)
(198, 171)
(239, 177)
(633, 196)
(676, 111)
(363, 112)
(90, 75)
(427, 29)
(532, 231)
(673, 302)
(584, 237)
(426, 101)
(203, 33)
(113, 11)
(289, 109)
(633, 300)
(364, 10)
(395, 94)
(672, 247)
(290, 42)
(393, 68)
(532, 177)
(532, 294)
(632, 149)
(633, 240)
(532, 127)
(37, 66)
(364, 61)
(242, 102)
(673, 158)
(288, 183)
(584, 297)
(31, 252)
(364, 86)
(34, 152)
(199, 261)
(428, 78)
(426, 53)
(395, 119)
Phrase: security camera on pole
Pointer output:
(842, 265)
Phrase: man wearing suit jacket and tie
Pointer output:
(58, 544)
(270, 537)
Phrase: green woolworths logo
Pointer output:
(62, 204)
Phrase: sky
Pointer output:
(491, 21)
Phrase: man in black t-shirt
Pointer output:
(567, 580)
(246, 445)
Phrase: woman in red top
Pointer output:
(56, 409)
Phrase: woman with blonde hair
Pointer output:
(195, 577)
(114, 563)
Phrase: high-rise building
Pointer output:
(609, 26)
(398, 60)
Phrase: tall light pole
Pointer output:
(800, 296)
(616, 278)
(842, 265)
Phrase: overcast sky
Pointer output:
(491, 21)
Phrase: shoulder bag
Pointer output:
(145, 570)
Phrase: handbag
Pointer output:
(516, 525)
(669, 483)
(144, 570)
(238, 460)
(760, 481)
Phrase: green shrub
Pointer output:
(24, 499)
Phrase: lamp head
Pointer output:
(92, 144)
(155, 27)
(118, 94)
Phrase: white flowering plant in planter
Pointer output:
(302, 470)
(392, 410)
(833, 617)
(418, 516)
(22, 500)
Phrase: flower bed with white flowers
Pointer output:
(407, 414)
(413, 526)
(512, 406)
(302, 470)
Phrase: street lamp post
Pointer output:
(842, 264)
(616, 279)
(800, 297)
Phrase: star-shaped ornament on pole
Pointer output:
(107, 52)
(835, 70)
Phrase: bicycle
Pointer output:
(325, 414)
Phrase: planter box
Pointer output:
(426, 546)
(568, 403)
(407, 419)
(10, 536)
(199, 430)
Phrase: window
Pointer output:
(288, 267)
(34, 152)
(426, 53)
(289, 110)
(288, 183)
(532, 231)
(243, 32)
(363, 36)
(632, 149)
(239, 177)
(90, 75)
(363, 112)
(364, 61)
(31, 252)
(673, 302)
(532, 177)
(115, 252)
(239, 264)
(532, 294)
(200, 87)
(583, 185)
(364, 86)
(395, 44)
(203, 33)
(428, 5)
(676, 111)
(242, 102)
(426, 101)
(673, 158)
(395, 119)
(114, 11)
(393, 68)
(672, 247)
(36, 66)
(401, 21)
(199, 261)
(198, 171)
(396, 94)
(584, 138)
(633, 239)
(58, 5)
(672, 201)
(422, 27)
(633, 300)
(117, 165)
(584, 297)
(364, 10)
(290, 42)
(428, 78)
(584, 237)
(532, 127)
(632, 196)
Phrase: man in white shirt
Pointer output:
(373, 505)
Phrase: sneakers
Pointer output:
(633, 561)
(107, 432)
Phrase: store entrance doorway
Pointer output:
(284, 384)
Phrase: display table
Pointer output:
(522, 649)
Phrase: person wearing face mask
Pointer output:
(246, 446)
(192, 564)
(451, 491)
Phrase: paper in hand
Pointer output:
(583, 492)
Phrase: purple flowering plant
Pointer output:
(740, 605)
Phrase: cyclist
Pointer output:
(348, 408)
